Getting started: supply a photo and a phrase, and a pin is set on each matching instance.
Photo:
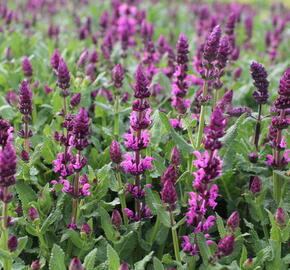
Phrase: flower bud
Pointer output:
(256, 185)
(226, 245)
(253, 157)
(35, 265)
(24, 156)
(86, 228)
(27, 67)
(115, 152)
(76, 264)
(175, 156)
(116, 219)
(12, 243)
(233, 221)
(248, 264)
(280, 216)
(124, 266)
(33, 213)
(75, 100)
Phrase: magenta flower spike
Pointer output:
(27, 67)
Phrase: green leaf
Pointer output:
(7, 112)
(106, 224)
(22, 241)
(90, 259)
(203, 248)
(4, 254)
(47, 150)
(74, 237)
(113, 258)
(180, 142)
(244, 256)
(220, 226)
(57, 259)
(141, 264)
(157, 264)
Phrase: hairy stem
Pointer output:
(174, 238)
(121, 195)
(258, 128)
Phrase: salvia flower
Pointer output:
(141, 89)
(175, 158)
(83, 59)
(27, 67)
(85, 228)
(75, 100)
(253, 157)
(116, 219)
(223, 52)
(212, 44)
(124, 266)
(25, 98)
(8, 161)
(35, 265)
(259, 75)
(54, 60)
(169, 195)
(226, 246)
(115, 152)
(76, 264)
(12, 243)
(33, 213)
(118, 75)
(280, 216)
(5, 132)
(63, 75)
(233, 221)
(256, 185)
(11, 97)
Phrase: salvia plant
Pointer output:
(144, 135)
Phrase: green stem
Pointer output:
(189, 132)
(116, 118)
(155, 230)
(7, 263)
(191, 264)
(75, 199)
(262, 218)
(202, 116)
(215, 98)
(174, 238)
(121, 195)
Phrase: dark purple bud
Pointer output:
(280, 123)
(253, 157)
(10, 221)
(94, 57)
(226, 245)
(224, 50)
(182, 50)
(35, 265)
(27, 67)
(175, 156)
(248, 264)
(238, 73)
(142, 84)
(25, 98)
(63, 75)
(284, 86)
(76, 264)
(238, 111)
(12, 243)
(168, 194)
(116, 219)
(47, 89)
(75, 100)
(233, 221)
(115, 152)
(104, 20)
(226, 101)
(8, 161)
(83, 58)
(24, 156)
(86, 228)
(280, 216)
(118, 75)
(54, 59)
(125, 97)
(211, 44)
(18, 209)
(282, 103)
(33, 213)
(236, 54)
(259, 75)
(230, 25)
(256, 185)
(11, 97)
(124, 266)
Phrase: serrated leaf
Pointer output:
(90, 259)
(22, 241)
(244, 256)
(57, 259)
(203, 248)
(113, 258)
(141, 264)
(74, 237)
(106, 224)
(220, 226)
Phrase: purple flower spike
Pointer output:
(75, 100)
(226, 246)
(86, 228)
(169, 195)
(223, 53)
(12, 243)
(76, 264)
(230, 25)
(54, 59)
(116, 219)
(142, 84)
(259, 75)
(63, 75)
(212, 44)
(234, 221)
(83, 59)
(8, 161)
(118, 75)
(256, 185)
(25, 98)
(280, 216)
(115, 152)
(27, 67)
(182, 50)
(284, 86)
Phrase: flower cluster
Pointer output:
(209, 167)
(138, 138)
(280, 122)
(179, 83)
